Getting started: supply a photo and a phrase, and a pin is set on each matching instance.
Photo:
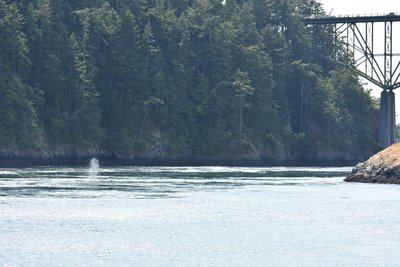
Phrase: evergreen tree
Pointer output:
(18, 118)
(198, 78)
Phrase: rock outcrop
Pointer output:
(383, 167)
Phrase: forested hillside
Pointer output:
(197, 81)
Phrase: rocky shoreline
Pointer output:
(73, 156)
(383, 167)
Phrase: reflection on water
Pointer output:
(142, 182)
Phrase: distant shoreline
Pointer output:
(19, 161)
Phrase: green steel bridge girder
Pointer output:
(355, 46)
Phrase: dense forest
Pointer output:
(173, 80)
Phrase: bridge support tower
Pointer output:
(387, 119)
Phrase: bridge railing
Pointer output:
(389, 17)
(355, 15)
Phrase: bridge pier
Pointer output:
(387, 119)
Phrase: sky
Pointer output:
(360, 7)
(368, 7)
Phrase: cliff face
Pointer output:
(383, 167)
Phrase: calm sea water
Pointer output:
(196, 216)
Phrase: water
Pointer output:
(203, 216)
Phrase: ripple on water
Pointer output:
(161, 181)
(150, 216)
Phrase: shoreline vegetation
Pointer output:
(176, 82)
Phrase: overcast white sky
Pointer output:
(361, 7)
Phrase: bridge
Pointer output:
(358, 46)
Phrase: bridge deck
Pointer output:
(357, 19)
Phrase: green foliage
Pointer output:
(203, 77)
(18, 120)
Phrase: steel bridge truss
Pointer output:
(357, 45)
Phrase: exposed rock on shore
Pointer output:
(383, 167)
(160, 152)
